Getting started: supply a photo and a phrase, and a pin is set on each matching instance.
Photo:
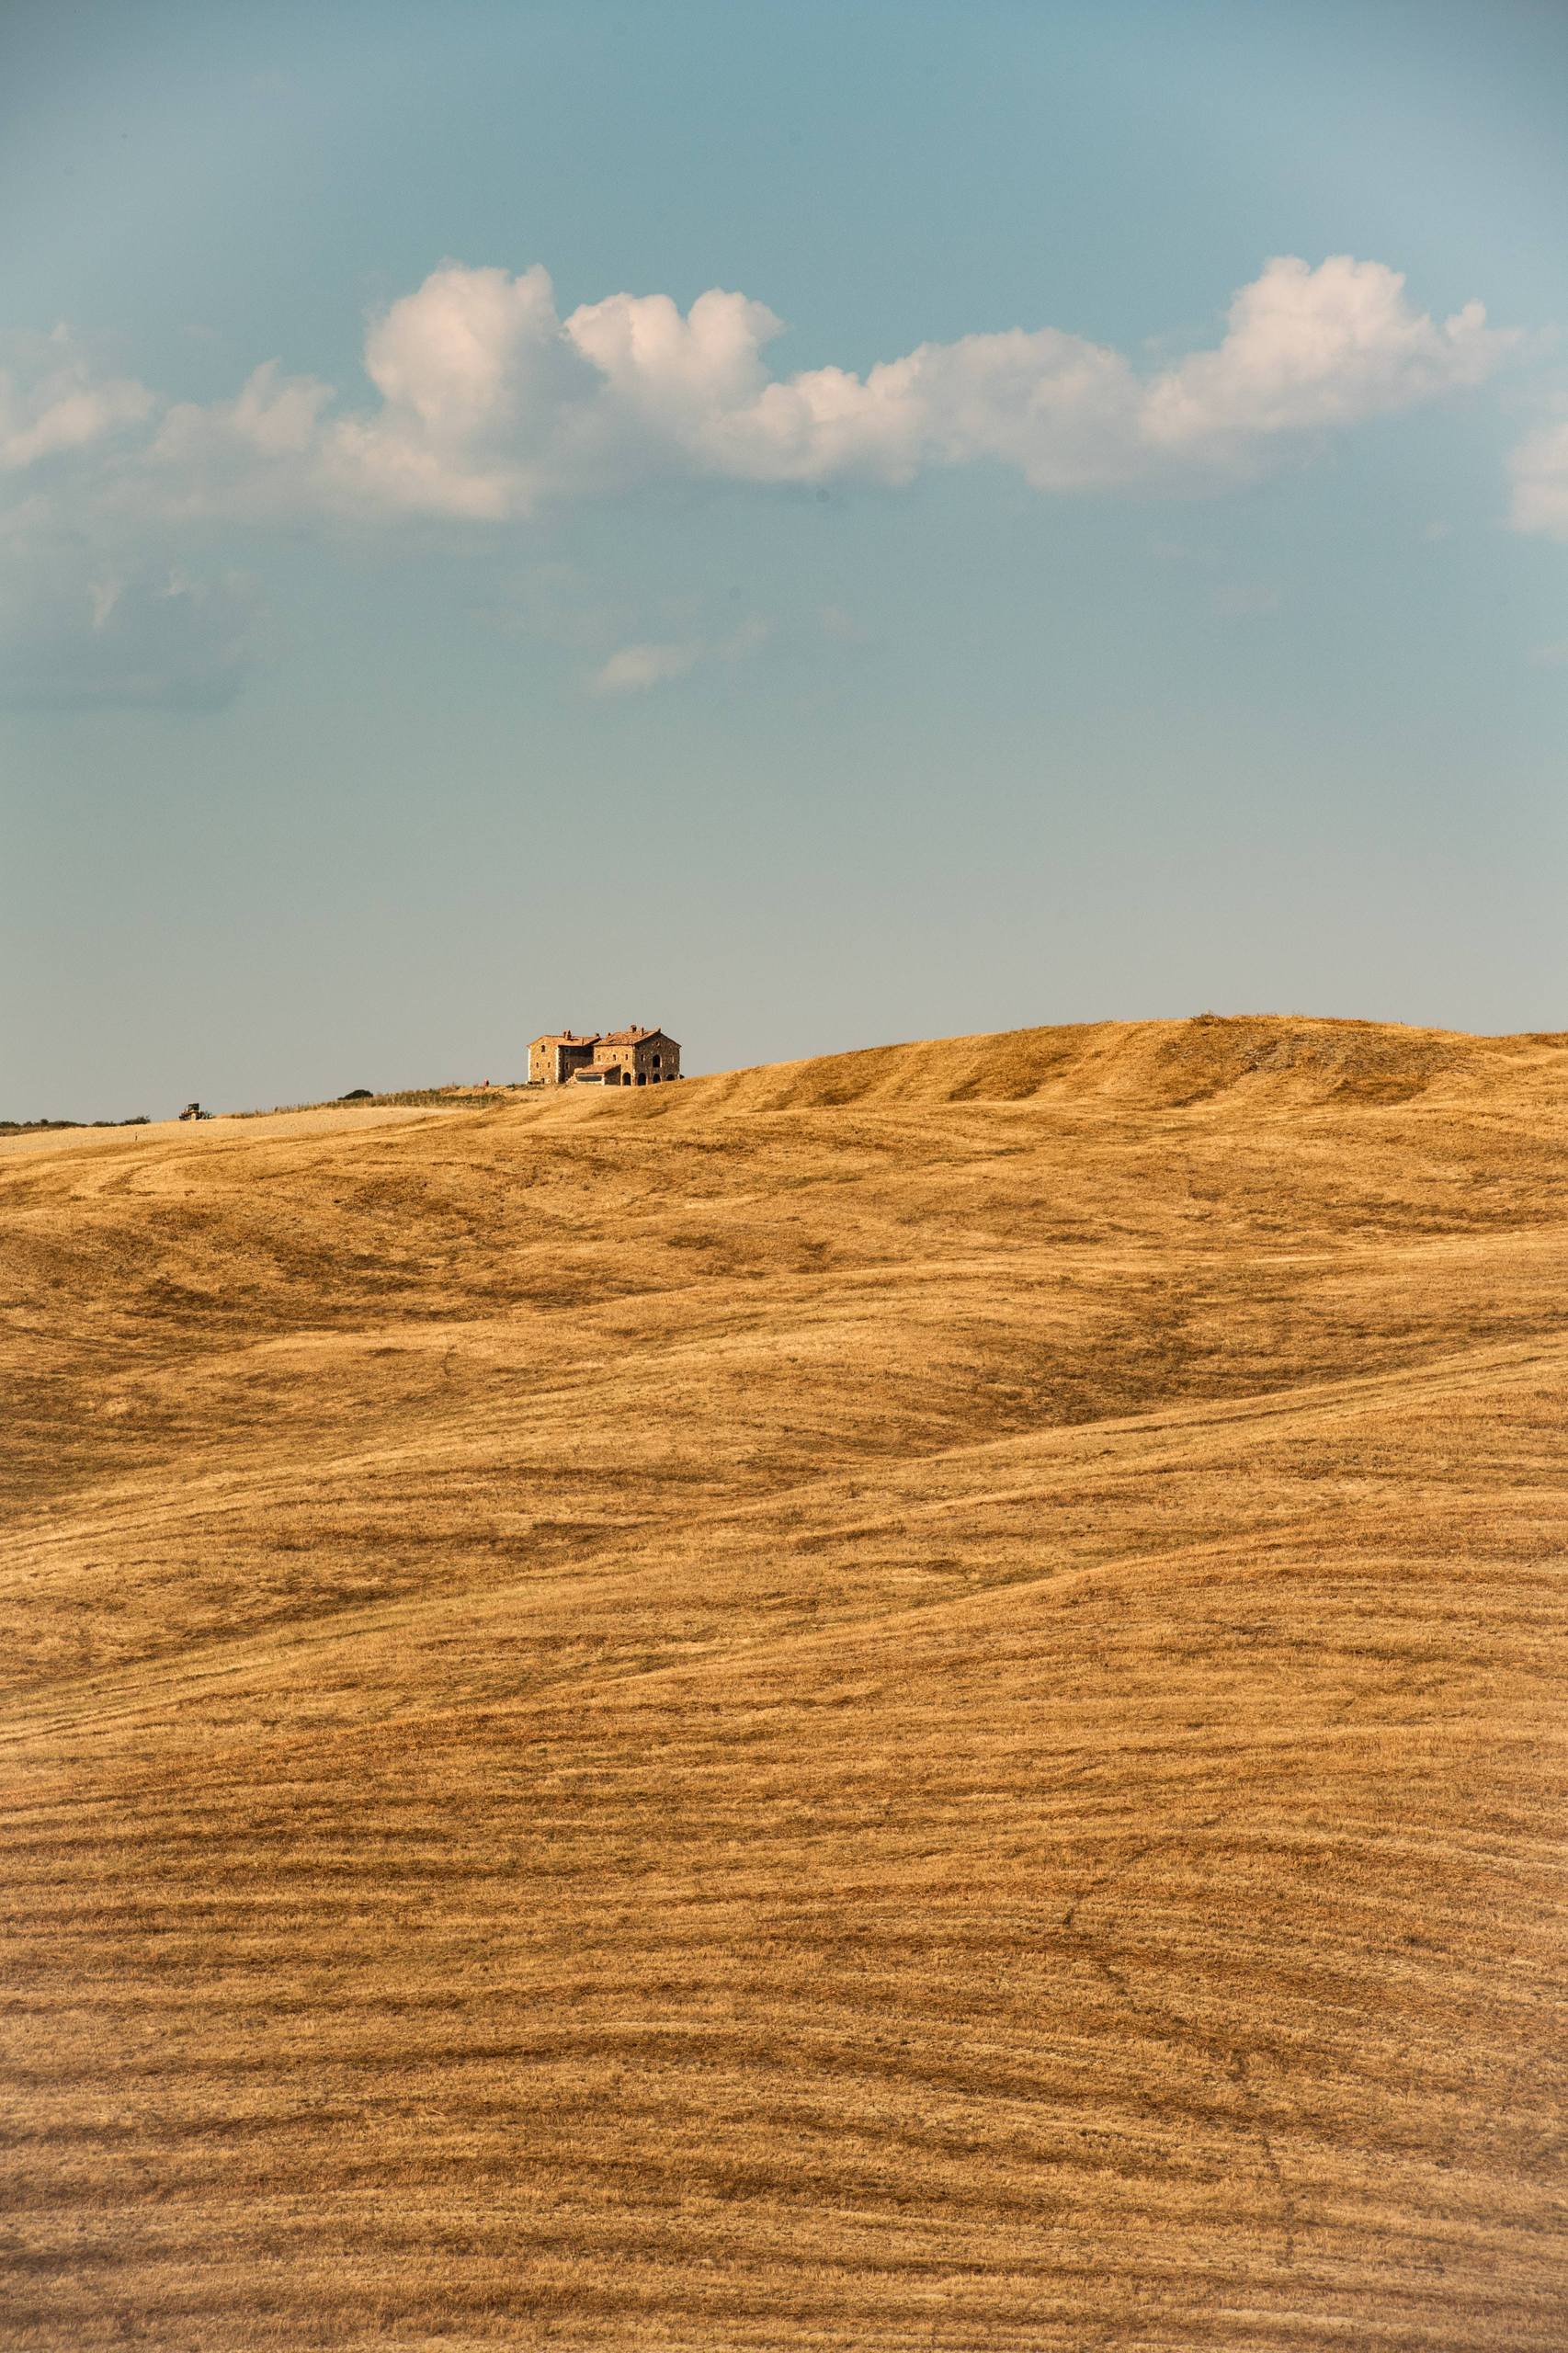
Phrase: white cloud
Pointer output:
(93, 614)
(53, 403)
(634, 669)
(488, 403)
(1551, 657)
(1309, 349)
(1540, 482)
(491, 402)
(258, 456)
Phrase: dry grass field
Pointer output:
(913, 1700)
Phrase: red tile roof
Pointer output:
(633, 1036)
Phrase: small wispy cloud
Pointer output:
(1539, 467)
(1550, 657)
(77, 637)
(633, 669)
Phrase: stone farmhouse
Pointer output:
(605, 1058)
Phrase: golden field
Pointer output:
(911, 1700)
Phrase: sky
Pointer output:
(803, 524)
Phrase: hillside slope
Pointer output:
(904, 1700)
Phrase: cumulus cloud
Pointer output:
(1305, 349)
(488, 402)
(482, 402)
(253, 458)
(53, 401)
(492, 401)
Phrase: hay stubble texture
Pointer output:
(911, 1700)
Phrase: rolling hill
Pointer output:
(906, 1700)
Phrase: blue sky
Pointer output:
(806, 524)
